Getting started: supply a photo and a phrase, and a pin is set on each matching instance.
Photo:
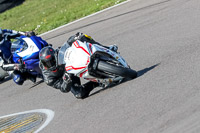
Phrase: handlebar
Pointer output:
(22, 33)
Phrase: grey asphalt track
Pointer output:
(158, 38)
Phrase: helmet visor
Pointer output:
(49, 63)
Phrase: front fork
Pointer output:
(103, 79)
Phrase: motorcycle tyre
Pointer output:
(117, 70)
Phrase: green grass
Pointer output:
(45, 15)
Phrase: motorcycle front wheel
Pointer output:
(117, 70)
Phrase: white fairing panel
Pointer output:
(77, 58)
(32, 48)
(117, 56)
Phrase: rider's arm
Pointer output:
(53, 79)
(57, 83)
(8, 67)
(49, 78)
(82, 37)
(14, 32)
(78, 36)
(9, 34)
(9, 31)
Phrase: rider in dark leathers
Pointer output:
(5, 43)
(55, 75)
(5, 52)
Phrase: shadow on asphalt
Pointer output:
(37, 83)
(143, 71)
(139, 74)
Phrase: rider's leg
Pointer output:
(18, 78)
(83, 91)
(29, 76)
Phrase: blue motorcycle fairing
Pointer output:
(31, 60)
(33, 64)
(16, 57)
(38, 40)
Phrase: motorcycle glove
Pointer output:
(65, 87)
(30, 33)
(66, 78)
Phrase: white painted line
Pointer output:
(85, 17)
(49, 113)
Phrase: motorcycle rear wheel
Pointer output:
(117, 70)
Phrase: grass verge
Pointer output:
(45, 15)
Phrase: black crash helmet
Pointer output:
(47, 58)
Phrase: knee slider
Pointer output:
(18, 78)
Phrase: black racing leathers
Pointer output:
(55, 79)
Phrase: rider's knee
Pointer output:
(18, 77)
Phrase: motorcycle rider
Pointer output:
(55, 75)
(5, 43)
(5, 52)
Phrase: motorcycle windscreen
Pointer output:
(18, 45)
(61, 53)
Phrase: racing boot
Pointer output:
(84, 91)
(30, 77)
(113, 47)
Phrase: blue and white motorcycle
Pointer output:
(25, 55)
